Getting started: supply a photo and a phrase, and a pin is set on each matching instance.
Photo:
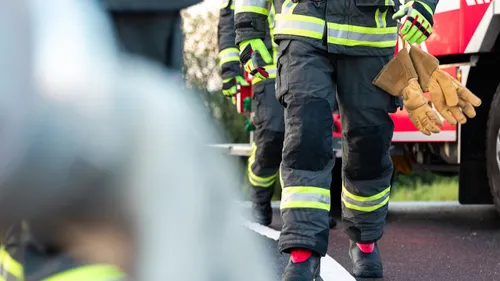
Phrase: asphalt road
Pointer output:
(424, 242)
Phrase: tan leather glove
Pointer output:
(448, 95)
(399, 78)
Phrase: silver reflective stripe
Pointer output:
(287, 6)
(229, 55)
(271, 71)
(254, 3)
(363, 204)
(351, 35)
(304, 197)
(296, 24)
(380, 18)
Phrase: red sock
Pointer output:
(300, 255)
(366, 248)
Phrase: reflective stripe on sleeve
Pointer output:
(89, 273)
(9, 266)
(351, 35)
(294, 197)
(299, 25)
(365, 204)
(228, 55)
(252, 6)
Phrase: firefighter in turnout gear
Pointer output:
(331, 48)
(263, 164)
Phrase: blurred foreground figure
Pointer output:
(102, 174)
(150, 28)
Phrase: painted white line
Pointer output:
(331, 270)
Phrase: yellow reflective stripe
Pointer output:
(305, 197)
(365, 204)
(229, 55)
(89, 273)
(288, 7)
(12, 266)
(253, 6)
(253, 178)
(389, 2)
(380, 18)
(271, 70)
(299, 25)
(351, 35)
(232, 6)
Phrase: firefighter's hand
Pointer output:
(417, 26)
(254, 56)
(452, 100)
(230, 86)
(419, 109)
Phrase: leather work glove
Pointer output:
(451, 99)
(254, 55)
(230, 86)
(399, 78)
(419, 21)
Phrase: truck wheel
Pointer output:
(493, 148)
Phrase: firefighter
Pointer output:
(329, 48)
(150, 28)
(263, 164)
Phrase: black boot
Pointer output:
(262, 213)
(366, 265)
(304, 271)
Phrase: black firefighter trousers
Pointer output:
(264, 162)
(308, 81)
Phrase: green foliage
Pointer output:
(202, 73)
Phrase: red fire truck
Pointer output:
(467, 43)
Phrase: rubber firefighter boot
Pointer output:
(302, 266)
(366, 260)
(262, 213)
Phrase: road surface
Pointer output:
(422, 242)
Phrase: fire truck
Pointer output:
(467, 43)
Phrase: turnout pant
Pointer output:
(264, 162)
(154, 35)
(308, 81)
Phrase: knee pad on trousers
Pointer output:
(366, 151)
(308, 139)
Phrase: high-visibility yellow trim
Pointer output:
(305, 204)
(367, 208)
(306, 189)
(363, 29)
(250, 9)
(228, 59)
(389, 2)
(89, 273)
(10, 264)
(229, 50)
(253, 178)
(300, 18)
(366, 199)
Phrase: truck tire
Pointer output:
(493, 148)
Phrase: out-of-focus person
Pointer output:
(150, 28)
(104, 160)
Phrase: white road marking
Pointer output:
(331, 270)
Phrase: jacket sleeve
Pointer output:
(229, 59)
(250, 19)
(431, 3)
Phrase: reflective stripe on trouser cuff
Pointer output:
(351, 35)
(10, 265)
(365, 204)
(253, 6)
(87, 273)
(294, 197)
(253, 178)
(299, 25)
(270, 69)
(228, 55)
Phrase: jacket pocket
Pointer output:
(372, 3)
(282, 75)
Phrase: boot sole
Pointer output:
(368, 274)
